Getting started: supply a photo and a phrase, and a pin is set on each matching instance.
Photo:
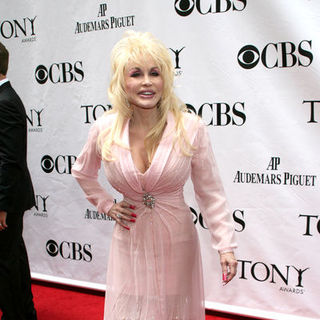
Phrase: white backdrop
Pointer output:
(250, 68)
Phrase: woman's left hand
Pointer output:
(228, 265)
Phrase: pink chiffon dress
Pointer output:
(154, 270)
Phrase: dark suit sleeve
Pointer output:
(12, 139)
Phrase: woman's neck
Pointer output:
(145, 119)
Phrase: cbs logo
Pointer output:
(62, 164)
(60, 73)
(277, 55)
(185, 7)
(69, 250)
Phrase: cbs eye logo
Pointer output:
(277, 55)
(184, 7)
(52, 248)
(248, 57)
(41, 74)
(47, 164)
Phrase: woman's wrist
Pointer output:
(226, 251)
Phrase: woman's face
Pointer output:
(143, 84)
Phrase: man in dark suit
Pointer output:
(16, 196)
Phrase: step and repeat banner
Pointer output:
(249, 68)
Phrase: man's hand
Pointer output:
(3, 218)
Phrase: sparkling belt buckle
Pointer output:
(149, 200)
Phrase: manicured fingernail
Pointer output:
(133, 220)
(127, 227)
(133, 215)
(224, 277)
(132, 207)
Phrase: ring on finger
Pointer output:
(118, 215)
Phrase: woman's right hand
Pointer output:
(120, 213)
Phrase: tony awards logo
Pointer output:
(176, 52)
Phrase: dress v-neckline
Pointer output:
(153, 173)
(154, 156)
(162, 152)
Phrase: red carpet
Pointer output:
(54, 302)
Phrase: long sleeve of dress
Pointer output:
(210, 194)
(85, 170)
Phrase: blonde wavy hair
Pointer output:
(135, 47)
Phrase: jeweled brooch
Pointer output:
(149, 200)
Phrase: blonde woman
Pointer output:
(149, 145)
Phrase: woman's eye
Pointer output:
(135, 74)
(155, 73)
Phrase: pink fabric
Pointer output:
(154, 270)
